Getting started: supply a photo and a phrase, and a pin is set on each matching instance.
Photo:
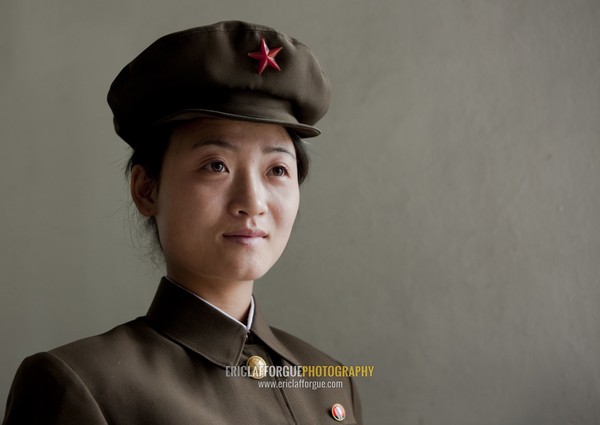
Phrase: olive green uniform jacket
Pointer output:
(170, 367)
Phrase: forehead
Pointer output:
(243, 133)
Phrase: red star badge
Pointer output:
(266, 56)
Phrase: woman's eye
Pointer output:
(279, 171)
(216, 166)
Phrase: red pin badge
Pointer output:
(338, 412)
(266, 57)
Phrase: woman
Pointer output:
(214, 116)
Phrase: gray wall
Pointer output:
(449, 232)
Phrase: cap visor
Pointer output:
(303, 130)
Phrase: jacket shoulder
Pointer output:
(123, 337)
(46, 390)
(113, 356)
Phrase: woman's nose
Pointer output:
(248, 196)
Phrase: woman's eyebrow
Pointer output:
(271, 149)
(215, 142)
(229, 146)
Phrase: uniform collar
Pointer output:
(250, 312)
(197, 325)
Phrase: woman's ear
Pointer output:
(143, 191)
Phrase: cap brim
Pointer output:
(302, 130)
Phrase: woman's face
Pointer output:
(226, 201)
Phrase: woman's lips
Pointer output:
(248, 237)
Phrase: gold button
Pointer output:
(257, 367)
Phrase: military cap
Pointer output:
(230, 69)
